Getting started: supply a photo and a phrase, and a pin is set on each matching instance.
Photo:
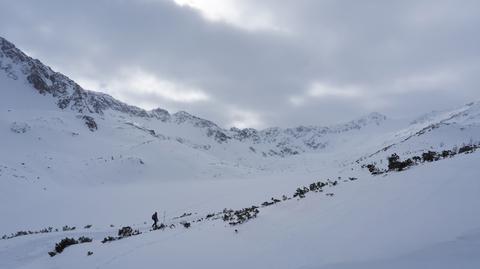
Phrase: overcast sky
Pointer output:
(259, 63)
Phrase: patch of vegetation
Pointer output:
(66, 242)
(236, 217)
(160, 227)
(124, 232)
(127, 231)
(83, 239)
(183, 215)
(22, 233)
(395, 164)
(67, 228)
(108, 239)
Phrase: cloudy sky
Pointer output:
(258, 63)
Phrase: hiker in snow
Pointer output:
(155, 220)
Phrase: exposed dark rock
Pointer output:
(90, 122)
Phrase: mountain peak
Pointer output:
(68, 94)
(160, 114)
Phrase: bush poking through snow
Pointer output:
(126, 232)
(373, 169)
(210, 215)
(19, 127)
(183, 215)
(430, 156)
(300, 192)
(108, 239)
(67, 228)
(159, 227)
(395, 164)
(467, 149)
(240, 216)
(84, 239)
(66, 242)
(22, 233)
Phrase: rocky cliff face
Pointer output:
(68, 94)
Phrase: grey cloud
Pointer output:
(369, 44)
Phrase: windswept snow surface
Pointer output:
(74, 157)
(425, 216)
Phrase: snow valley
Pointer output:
(81, 173)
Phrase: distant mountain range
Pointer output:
(55, 105)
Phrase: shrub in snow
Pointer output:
(373, 169)
(84, 239)
(108, 239)
(416, 159)
(430, 156)
(240, 216)
(122, 233)
(267, 203)
(89, 253)
(275, 200)
(394, 163)
(64, 243)
(22, 233)
(19, 127)
(160, 227)
(466, 149)
(210, 215)
(126, 232)
(67, 228)
(300, 192)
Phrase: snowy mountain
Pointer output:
(43, 104)
(70, 96)
(300, 197)
(434, 131)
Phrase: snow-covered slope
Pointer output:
(74, 157)
(53, 116)
(436, 131)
